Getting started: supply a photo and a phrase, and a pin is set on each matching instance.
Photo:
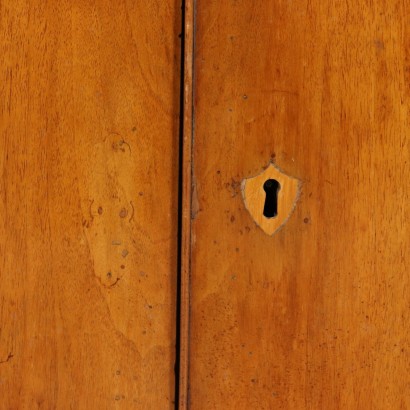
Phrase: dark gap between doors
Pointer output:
(180, 205)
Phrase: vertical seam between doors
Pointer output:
(185, 204)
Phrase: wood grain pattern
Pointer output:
(317, 316)
(88, 212)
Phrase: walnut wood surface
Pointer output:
(88, 206)
(317, 316)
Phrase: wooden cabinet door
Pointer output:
(296, 302)
(317, 315)
(88, 213)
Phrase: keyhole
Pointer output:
(271, 187)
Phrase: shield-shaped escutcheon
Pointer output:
(270, 198)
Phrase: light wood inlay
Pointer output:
(254, 197)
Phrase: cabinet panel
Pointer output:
(88, 212)
(315, 316)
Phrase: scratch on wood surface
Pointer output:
(195, 202)
(9, 357)
(132, 213)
